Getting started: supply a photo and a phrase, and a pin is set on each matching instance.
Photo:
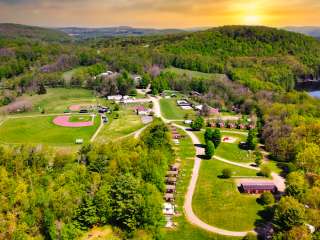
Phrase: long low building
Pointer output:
(258, 187)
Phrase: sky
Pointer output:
(161, 13)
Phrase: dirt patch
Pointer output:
(228, 139)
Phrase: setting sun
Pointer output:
(252, 20)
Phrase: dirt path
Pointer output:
(191, 217)
(98, 130)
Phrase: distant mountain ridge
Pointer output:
(311, 31)
(85, 33)
(11, 30)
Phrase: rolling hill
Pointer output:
(311, 31)
(13, 31)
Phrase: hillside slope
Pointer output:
(9, 30)
(261, 57)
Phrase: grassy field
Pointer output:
(218, 202)
(180, 71)
(57, 100)
(128, 122)
(185, 152)
(231, 151)
(170, 110)
(80, 118)
(100, 233)
(41, 130)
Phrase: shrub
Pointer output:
(265, 171)
(197, 124)
(227, 173)
(267, 198)
(209, 150)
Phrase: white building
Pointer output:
(115, 97)
(168, 209)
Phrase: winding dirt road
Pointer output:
(191, 217)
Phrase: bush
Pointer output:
(267, 198)
(265, 171)
(197, 124)
(209, 150)
(227, 173)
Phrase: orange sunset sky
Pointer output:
(161, 13)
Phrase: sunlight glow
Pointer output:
(252, 20)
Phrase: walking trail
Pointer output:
(190, 215)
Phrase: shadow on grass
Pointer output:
(263, 226)
(200, 145)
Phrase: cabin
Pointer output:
(195, 94)
(171, 180)
(170, 188)
(176, 136)
(258, 187)
(172, 173)
(220, 125)
(141, 110)
(231, 125)
(183, 103)
(169, 197)
(198, 107)
(168, 209)
(188, 122)
(175, 167)
(79, 141)
(114, 97)
(241, 126)
(213, 111)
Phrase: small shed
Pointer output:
(175, 167)
(169, 197)
(170, 188)
(172, 173)
(168, 209)
(79, 141)
(258, 187)
(171, 180)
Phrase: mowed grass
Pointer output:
(57, 100)
(231, 151)
(185, 152)
(80, 118)
(218, 202)
(170, 110)
(41, 130)
(180, 71)
(127, 123)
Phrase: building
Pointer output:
(175, 167)
(141, 110)
(79, 141)
(172, 173)
(258, 187)
(168, 209)
(169, 197)
(187, 122)
(198, 107)
(114, 97)
(183, 103)
(213, 111)
(171, 180)
(170, 188)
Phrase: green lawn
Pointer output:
(170, 110)
(41, 130)
(231, 151)
(180, 71)
(185, 152)
(218, 202)
(128, 122)
(57, 100)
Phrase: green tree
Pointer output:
(252, 140)
(288, 213)
(308, 158)
(86, 214)
(208, 135)
(296, 185)
(216, 137)
(227, 173)
(299, 232)
(41, 89)
(209, 151)
(265, 171)
(267, 198)
(197, 124)
(258, 157)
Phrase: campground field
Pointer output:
(42, 130)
